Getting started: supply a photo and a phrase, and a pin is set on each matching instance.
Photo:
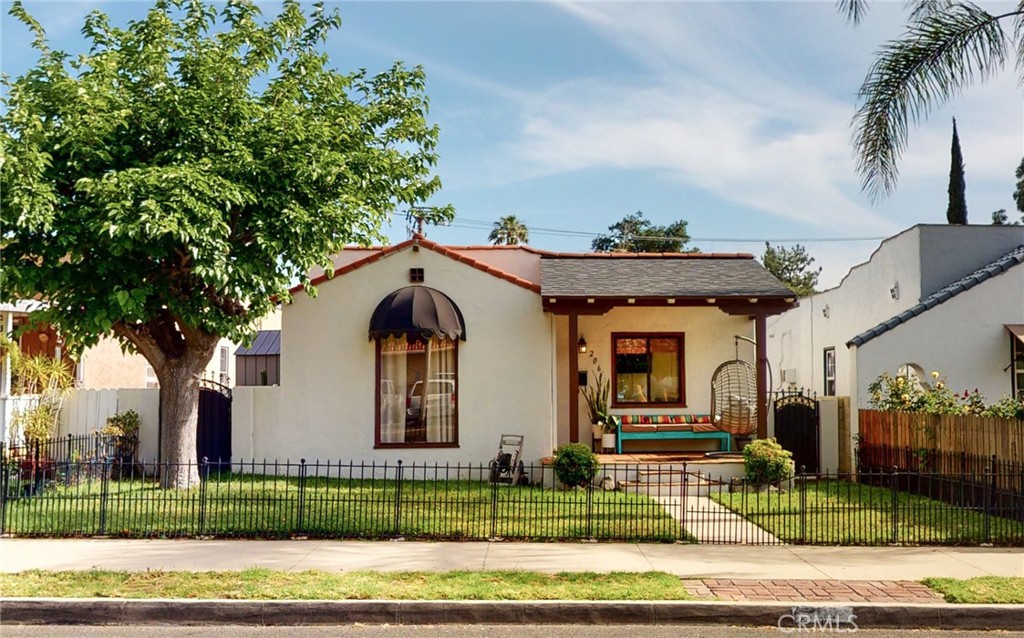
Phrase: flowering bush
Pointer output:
(909, 394)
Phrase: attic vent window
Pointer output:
(416, 275)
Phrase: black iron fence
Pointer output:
(656, 503)
(968, 479)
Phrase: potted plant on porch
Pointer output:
(611, 427)
(603, 425)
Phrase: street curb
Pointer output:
(119, 611)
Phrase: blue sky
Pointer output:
(734, 116)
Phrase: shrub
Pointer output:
(909, 394)
(765, 461)
(122, 424)
(1006, 408)
(36, 424)
(575, 465)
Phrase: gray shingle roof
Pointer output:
(1009, 260)
(267, 342)
(666, 276)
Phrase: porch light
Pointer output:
(581, 345)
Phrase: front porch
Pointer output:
(648, 332)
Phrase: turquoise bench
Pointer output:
(652, 427)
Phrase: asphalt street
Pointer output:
(458, 631)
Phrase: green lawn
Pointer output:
(263, 584)
(845, 513)
(273, 507)
(984, 589)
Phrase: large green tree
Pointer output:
(956, 210)
(636, 234)
(792, 266)
(167, 186)
(509, 231)
(946, 47)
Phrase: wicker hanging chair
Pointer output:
(734, 398)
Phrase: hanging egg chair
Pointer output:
(734, 396)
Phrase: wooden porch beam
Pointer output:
(574, 374)
(761, 337)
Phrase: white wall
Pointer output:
(797, 338)
(964, 339)
(256, 413)
(325, 404)
(921, 259)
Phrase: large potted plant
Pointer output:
(597, 403)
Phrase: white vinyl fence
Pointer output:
(85, 411)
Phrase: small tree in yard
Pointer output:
(167, 186)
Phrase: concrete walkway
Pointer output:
(789, 562)
(709, 522)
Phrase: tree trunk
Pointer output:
(179, 417)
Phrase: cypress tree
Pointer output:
(957, 211)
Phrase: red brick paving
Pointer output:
(852, 591)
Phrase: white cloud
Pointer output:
(715, 113)
(781, 163)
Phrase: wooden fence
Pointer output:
(947, 437)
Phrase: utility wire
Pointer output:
(474, 224)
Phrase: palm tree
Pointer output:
(509, 231)
(947, 46)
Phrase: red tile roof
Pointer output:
(448, 251)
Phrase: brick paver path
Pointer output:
(852, 591)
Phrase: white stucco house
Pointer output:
(429, 353)
(934, 297)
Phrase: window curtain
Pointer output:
(418, 390)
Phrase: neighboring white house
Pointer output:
(428, 353)
(934, 297)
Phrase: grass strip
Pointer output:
(980, 590)
(844, 513)
(265, 506)
(265, 584)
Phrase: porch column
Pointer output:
(761, 337)
(574, 379)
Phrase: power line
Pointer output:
(479, 224)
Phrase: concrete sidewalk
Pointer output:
(686, 561)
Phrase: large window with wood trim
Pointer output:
(648, 369)
(417, 402)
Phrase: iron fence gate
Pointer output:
(798, 429)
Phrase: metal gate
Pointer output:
(213, 435)
(798, 429)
